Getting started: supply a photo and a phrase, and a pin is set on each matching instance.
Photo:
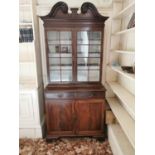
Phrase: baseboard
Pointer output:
(33, 132)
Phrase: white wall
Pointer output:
(104, 6)
(77, 3)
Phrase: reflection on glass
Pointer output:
(53, 37)
(94, 41)
(88, 61)
(95, 48)
(88, 51)
(66, 75)
(66, 55)
(82, 61)
(94, 61)
(54, 48)
(66, 61)
(93, 75)
(54, 55)
(60, 55)
(65, 37)
(94, 55)
(54, 61)
(82, 75)
(66, 49)
(54, 67)
(54, 75)
(83, 50)
(89, 37)
(83, 37)
(83, 67)
(95, 37)
(66, 67)
(94, 67)
(53, 42)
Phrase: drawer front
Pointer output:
(59, 95)
(87, 95)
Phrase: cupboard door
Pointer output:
(59, 56)
(89, 55)
(90, 116)
(59, 115)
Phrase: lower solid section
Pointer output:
(75, 111)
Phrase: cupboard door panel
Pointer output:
(90, 116)
(59, 116)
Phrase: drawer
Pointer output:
(92, 94)
(59, 95)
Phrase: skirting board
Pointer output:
(33, 132)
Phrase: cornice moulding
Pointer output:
(43, 10)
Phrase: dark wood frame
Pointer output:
(79, 95)
(59, 19)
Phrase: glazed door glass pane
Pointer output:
(60, 55)
(88, 55)
(66, 75)
(65, 37)
(89, 37)
(94, 75)
(82, 75)
(55, 75)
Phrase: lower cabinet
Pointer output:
(75, 118)
(74, 110)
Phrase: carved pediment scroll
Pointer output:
(61, 11)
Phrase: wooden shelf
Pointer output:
(25, 5)
(25, 24)
(31, 84)
(118, 141)
(119, 70)
(26, 43)
(124, 119)
(26, 60)
(125, 11)
(123, 52)
(124, 31)
(128, 100)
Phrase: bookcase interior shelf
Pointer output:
(25, 5)
(125, 74)
(27, 84)
(128, 100)
(123, 52)
(125, 11)
(25, 24)
(122, 32)
(124, 119)
(118, 141)
(27, 70)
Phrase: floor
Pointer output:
(74, 146)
